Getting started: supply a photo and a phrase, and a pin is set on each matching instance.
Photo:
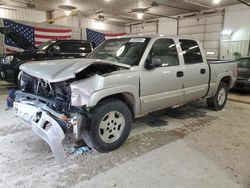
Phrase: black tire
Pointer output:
(93, 137)
(213, 102)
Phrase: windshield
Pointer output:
(124, 50)
(244, 63)
(45, 45)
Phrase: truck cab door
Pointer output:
(196, 79)
(161, 85)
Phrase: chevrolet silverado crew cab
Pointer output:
(53, 49)
(123, 78)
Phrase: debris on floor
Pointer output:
(79, 148)
(79, 151)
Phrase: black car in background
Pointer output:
(243, 78)
(53, 49)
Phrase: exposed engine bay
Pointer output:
(60, 92)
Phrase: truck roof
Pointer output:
(157, 36)
(74, 40)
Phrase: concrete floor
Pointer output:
(186, 147)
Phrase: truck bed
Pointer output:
(217, 61)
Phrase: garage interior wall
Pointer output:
(83, 22)
(29, 15)
(236, 20)
(207, 28)
(36, 18)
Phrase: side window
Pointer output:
(64, 47)
(74, 47)
(164, 52)
(191, 52)
(81, 47)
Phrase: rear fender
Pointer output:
(214, 86)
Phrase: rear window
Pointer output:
(244, 63)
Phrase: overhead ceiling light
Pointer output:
(140, 15)
(227, 32)
(67, 9)
(216, 1)
(210, 53)
(67, 12)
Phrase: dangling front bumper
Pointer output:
(44, 125)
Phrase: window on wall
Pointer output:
(191, 51)
(165, 53)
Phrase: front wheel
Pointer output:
(110, 127)
(219, 100)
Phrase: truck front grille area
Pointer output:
(59, 91)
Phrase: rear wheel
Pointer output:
(219, 100)
(110, 127)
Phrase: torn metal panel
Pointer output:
(81, 90)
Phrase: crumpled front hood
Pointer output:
(60, 70)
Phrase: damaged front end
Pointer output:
(52, 107)
(46, 108)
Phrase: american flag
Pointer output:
(97, 38)
(34, 35)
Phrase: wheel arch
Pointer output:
(128, 96)
(125, 97)
(227, 80)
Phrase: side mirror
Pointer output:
(152, 62)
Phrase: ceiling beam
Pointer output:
(243, 2)
(197, 4)
(171, 6)
(159, 15)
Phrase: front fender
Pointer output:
(120, 89)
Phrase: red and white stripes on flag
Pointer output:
(43, 35)
(35, 35)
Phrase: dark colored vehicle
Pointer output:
(243, 78)
(53, 49)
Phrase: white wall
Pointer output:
(84, 23)
(30, 15)
(207, 29)
(167, 26)
(237, 20)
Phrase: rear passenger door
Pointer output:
(196, 72)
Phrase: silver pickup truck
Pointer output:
(97, 98)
